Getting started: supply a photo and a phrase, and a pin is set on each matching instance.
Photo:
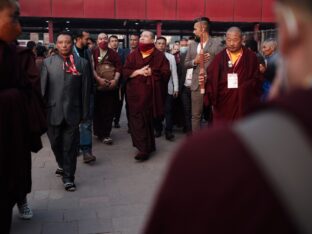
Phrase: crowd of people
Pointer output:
(78, 89)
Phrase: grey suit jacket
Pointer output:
(67, 95)
(213, 47)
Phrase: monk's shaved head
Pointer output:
(147, 37)
(101, 35)
(235, 30)
(234, 39)
(152, 35)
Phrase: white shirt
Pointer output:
(188, 77)
(173, 84)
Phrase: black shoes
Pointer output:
(158, 134)
(70, 186)
(169, 136)
(141, 156)
(59, 172)
(116, 125)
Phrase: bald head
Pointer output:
(235, 30)
(234, 39)
(102, 37)
(147, 37)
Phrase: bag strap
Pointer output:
(284, 154)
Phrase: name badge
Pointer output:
(232, 81)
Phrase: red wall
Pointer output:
(216, 10)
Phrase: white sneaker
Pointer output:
(107, 141)
(24, 210)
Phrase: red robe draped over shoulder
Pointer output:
(147, 92)
(22, 118)
(232, 104)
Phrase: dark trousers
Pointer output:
(187, 107)
(158, 124)
(64, 141)
(120, 96)
(104, 110)
(168, 113)
(86, 129)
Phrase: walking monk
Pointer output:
(22, 118)
(147, 73)
(233, 80)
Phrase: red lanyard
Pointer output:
(71, 68)
(237, 61)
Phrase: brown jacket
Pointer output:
(213, 47)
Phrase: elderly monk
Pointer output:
(105, 96)
(22, 118)
(233, 80)
(225, 181)
(147, 73)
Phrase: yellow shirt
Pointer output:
(235, 56)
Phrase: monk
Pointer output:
(22, 118)
(222, 181)
(147, 73)
(105, 98)
(233, 80)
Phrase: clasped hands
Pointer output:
(144, 71)
(111, 84)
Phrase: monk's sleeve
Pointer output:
(165, 70)
(129, 67)
(31, 70)
(44, 78)
(213, 73)
(118, 63)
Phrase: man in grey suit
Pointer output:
(192, 61)
(65, 85)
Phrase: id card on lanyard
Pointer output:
(232, 78)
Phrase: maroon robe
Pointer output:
(22, 119)
(214, 184)
(145, 96)
(232, 104)
(105, 100)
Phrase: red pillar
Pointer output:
(51, 32)
(158, 29)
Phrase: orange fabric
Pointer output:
(147, 53)
(235, 56)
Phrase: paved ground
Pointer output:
(113, 195)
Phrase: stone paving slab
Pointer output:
(113, 195)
